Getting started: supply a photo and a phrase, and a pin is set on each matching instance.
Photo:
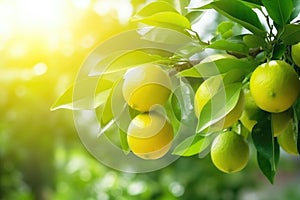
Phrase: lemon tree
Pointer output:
(237, 88)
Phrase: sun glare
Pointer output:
(65, 27)
(40, 14)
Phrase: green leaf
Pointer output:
(184, 94)
(189, 50)
(291, 34)
(180, 5)
(169, 39)
(224, 26)
(225, 29)
(218, 67)
(254, 41)
(296, 9)
(192, 145)
(125, 61)
(256, 2)
(229, 46)
(238, 12)
(296, 109)
(167, 20)
(153, 8)
(193, 16)
(107, 114)
(265, 165)
(123, 142)
(279, 10)
(278, 52)
(176, 105)
(219, 106)
(266, 146)
(90, 93)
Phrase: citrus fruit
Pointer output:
(280, 122)
(287, 140)
(248, 117)
(206, 91)
(230, 152)
(146, 86)
(274, 86)
(150, 135)
(296, 53)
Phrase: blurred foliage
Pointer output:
(41, 156)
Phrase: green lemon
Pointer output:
(230, 152)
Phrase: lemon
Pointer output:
(206, 91)
(287, 140)
(250, 111)
(146, 86)
(280, 122)
(150, 135)
(296, 54)
(274, 86)
(230, 152)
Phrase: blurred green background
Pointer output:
(42, 46)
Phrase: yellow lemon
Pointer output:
(146, 86)
(150, 135)
(206, 91)
(274, 86)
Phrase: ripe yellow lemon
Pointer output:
(150, 135)
(206, 91)
(287, 140)
(146, 86)
(274, 86)
(296, 54)
(230, 152)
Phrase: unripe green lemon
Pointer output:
(146, 86)
(150, 135)
(230, 152)
(296, 54)
(274, 86)
(287, 141)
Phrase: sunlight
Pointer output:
(40, 14)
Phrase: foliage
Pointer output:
(265, 39)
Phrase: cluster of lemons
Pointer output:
(274, 87)
(150, 133)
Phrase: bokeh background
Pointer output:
(42, 46)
